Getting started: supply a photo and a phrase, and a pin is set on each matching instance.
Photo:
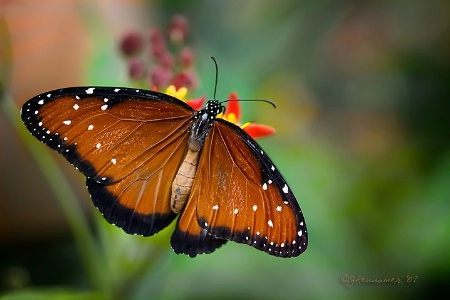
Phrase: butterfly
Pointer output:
(149, 158)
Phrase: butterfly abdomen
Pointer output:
(182, 184)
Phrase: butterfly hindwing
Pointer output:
(240, 195)
(128, 143)
(189, 238)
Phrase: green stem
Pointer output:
(75, 217)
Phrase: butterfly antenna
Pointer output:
(217, 76)
(241, 100)
(251, 100)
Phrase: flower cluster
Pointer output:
(152, 63)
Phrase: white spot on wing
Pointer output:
(270, 223)
(98, 145)
(76, 106)
(67, 122)
(236, 211)
(90, 127)
(49, 95)
(40, 102)
(105, 100)
(265, 186)
(300, 233)
(270, 181)
(104, 107)
(216, 207)
(116, 90)
(90, 91)
(278, 208)
(114, 161)
(255, 207)
(273, 168)
(285, 189)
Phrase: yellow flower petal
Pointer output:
(180, 94)
(245, 125)
(231, 117)
(171, 91)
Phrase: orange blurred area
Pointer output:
(48, 43)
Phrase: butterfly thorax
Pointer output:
(182, 184)
(203, 120)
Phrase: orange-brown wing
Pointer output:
(239, 195)
(128, 143)
(189, 238)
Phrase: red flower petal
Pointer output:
(259, 131)
(233, 106)
(196, 104)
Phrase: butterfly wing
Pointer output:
(189, 238)
(239, 195)
(128, 143)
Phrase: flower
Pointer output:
(131, 44)
(151, 63)
(232, 114)
(161, 58)
(181, 93)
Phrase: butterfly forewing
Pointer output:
(241, 196)
(129, 144)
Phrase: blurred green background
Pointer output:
(362, 90)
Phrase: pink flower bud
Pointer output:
(178, 29)
(160, 77)
(185, 79)
(167, 60)
(187, 57)
(136, 68)
(131, 43)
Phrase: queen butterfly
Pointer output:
(148, 157)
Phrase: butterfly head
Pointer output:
(213, 108)
(203, 120)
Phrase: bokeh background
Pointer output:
(362, 90)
